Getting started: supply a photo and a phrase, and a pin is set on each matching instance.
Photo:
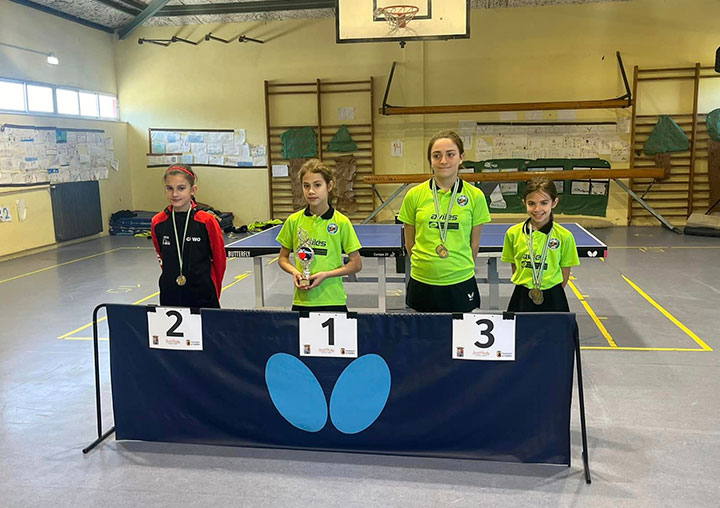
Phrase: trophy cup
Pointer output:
(305, 255)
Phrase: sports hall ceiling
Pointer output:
(124, 15)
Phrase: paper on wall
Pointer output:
(467, 126)
(580, 187)
(279, 170)
(198, 149)
(496, 199)
(173, 147)
(566, 114)
(347, 113)
(245, 153)
(214, 148)
(396, 148)
(21, 210)
(598, 188)
(231, 149)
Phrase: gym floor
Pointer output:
(648, 325)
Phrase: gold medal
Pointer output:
(536, 295)
(443, 223)
(181, 280)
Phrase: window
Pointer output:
(12, 96)
(88, 104)
(40, 98)
(108, 106)
(47, 99)
(67, 102)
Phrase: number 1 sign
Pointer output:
(483, 337)
(328, 334)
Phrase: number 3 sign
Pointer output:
(483, 337)
(174, 328)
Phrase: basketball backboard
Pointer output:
(367, 20)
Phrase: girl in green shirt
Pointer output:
(443, 218)
(318, 234)
(541, 252)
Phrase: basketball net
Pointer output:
(397, 16)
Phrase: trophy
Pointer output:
(305, 255)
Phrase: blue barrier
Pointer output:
(403, 395)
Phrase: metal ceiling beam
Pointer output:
(63, 15)
(245, 7)
(122, 7)
(152, 8)
(134, 3)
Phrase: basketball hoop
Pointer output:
(397, 16)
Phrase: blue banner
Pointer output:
(403, 395)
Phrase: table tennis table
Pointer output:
(381, 241)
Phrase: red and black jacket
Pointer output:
(203, 259)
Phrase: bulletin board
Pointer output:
(226, 148)
(553, 140)
(31, 155)
(548, 146)
(577, 197)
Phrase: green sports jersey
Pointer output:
(469, 210)
(562, 253)
(331, 235)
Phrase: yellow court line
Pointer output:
(273, 260)
(594, 317)
(67, 335)
(626, 348)
(646, 247)
(238, 278)
(672, 318)
(86, 338)
(60, 264)
(73, 261)
(84, 327)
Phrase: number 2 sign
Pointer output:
(174, 328)
(483, 337)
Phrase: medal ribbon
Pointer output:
(177, 241)
(443, 228)
(537, 272)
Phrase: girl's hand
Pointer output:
(296, 280)
(317, 279)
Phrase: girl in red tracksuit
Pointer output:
(189, 245)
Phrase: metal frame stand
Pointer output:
(581, 397)
(624, 187)
(101, 435)
(647, 207)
